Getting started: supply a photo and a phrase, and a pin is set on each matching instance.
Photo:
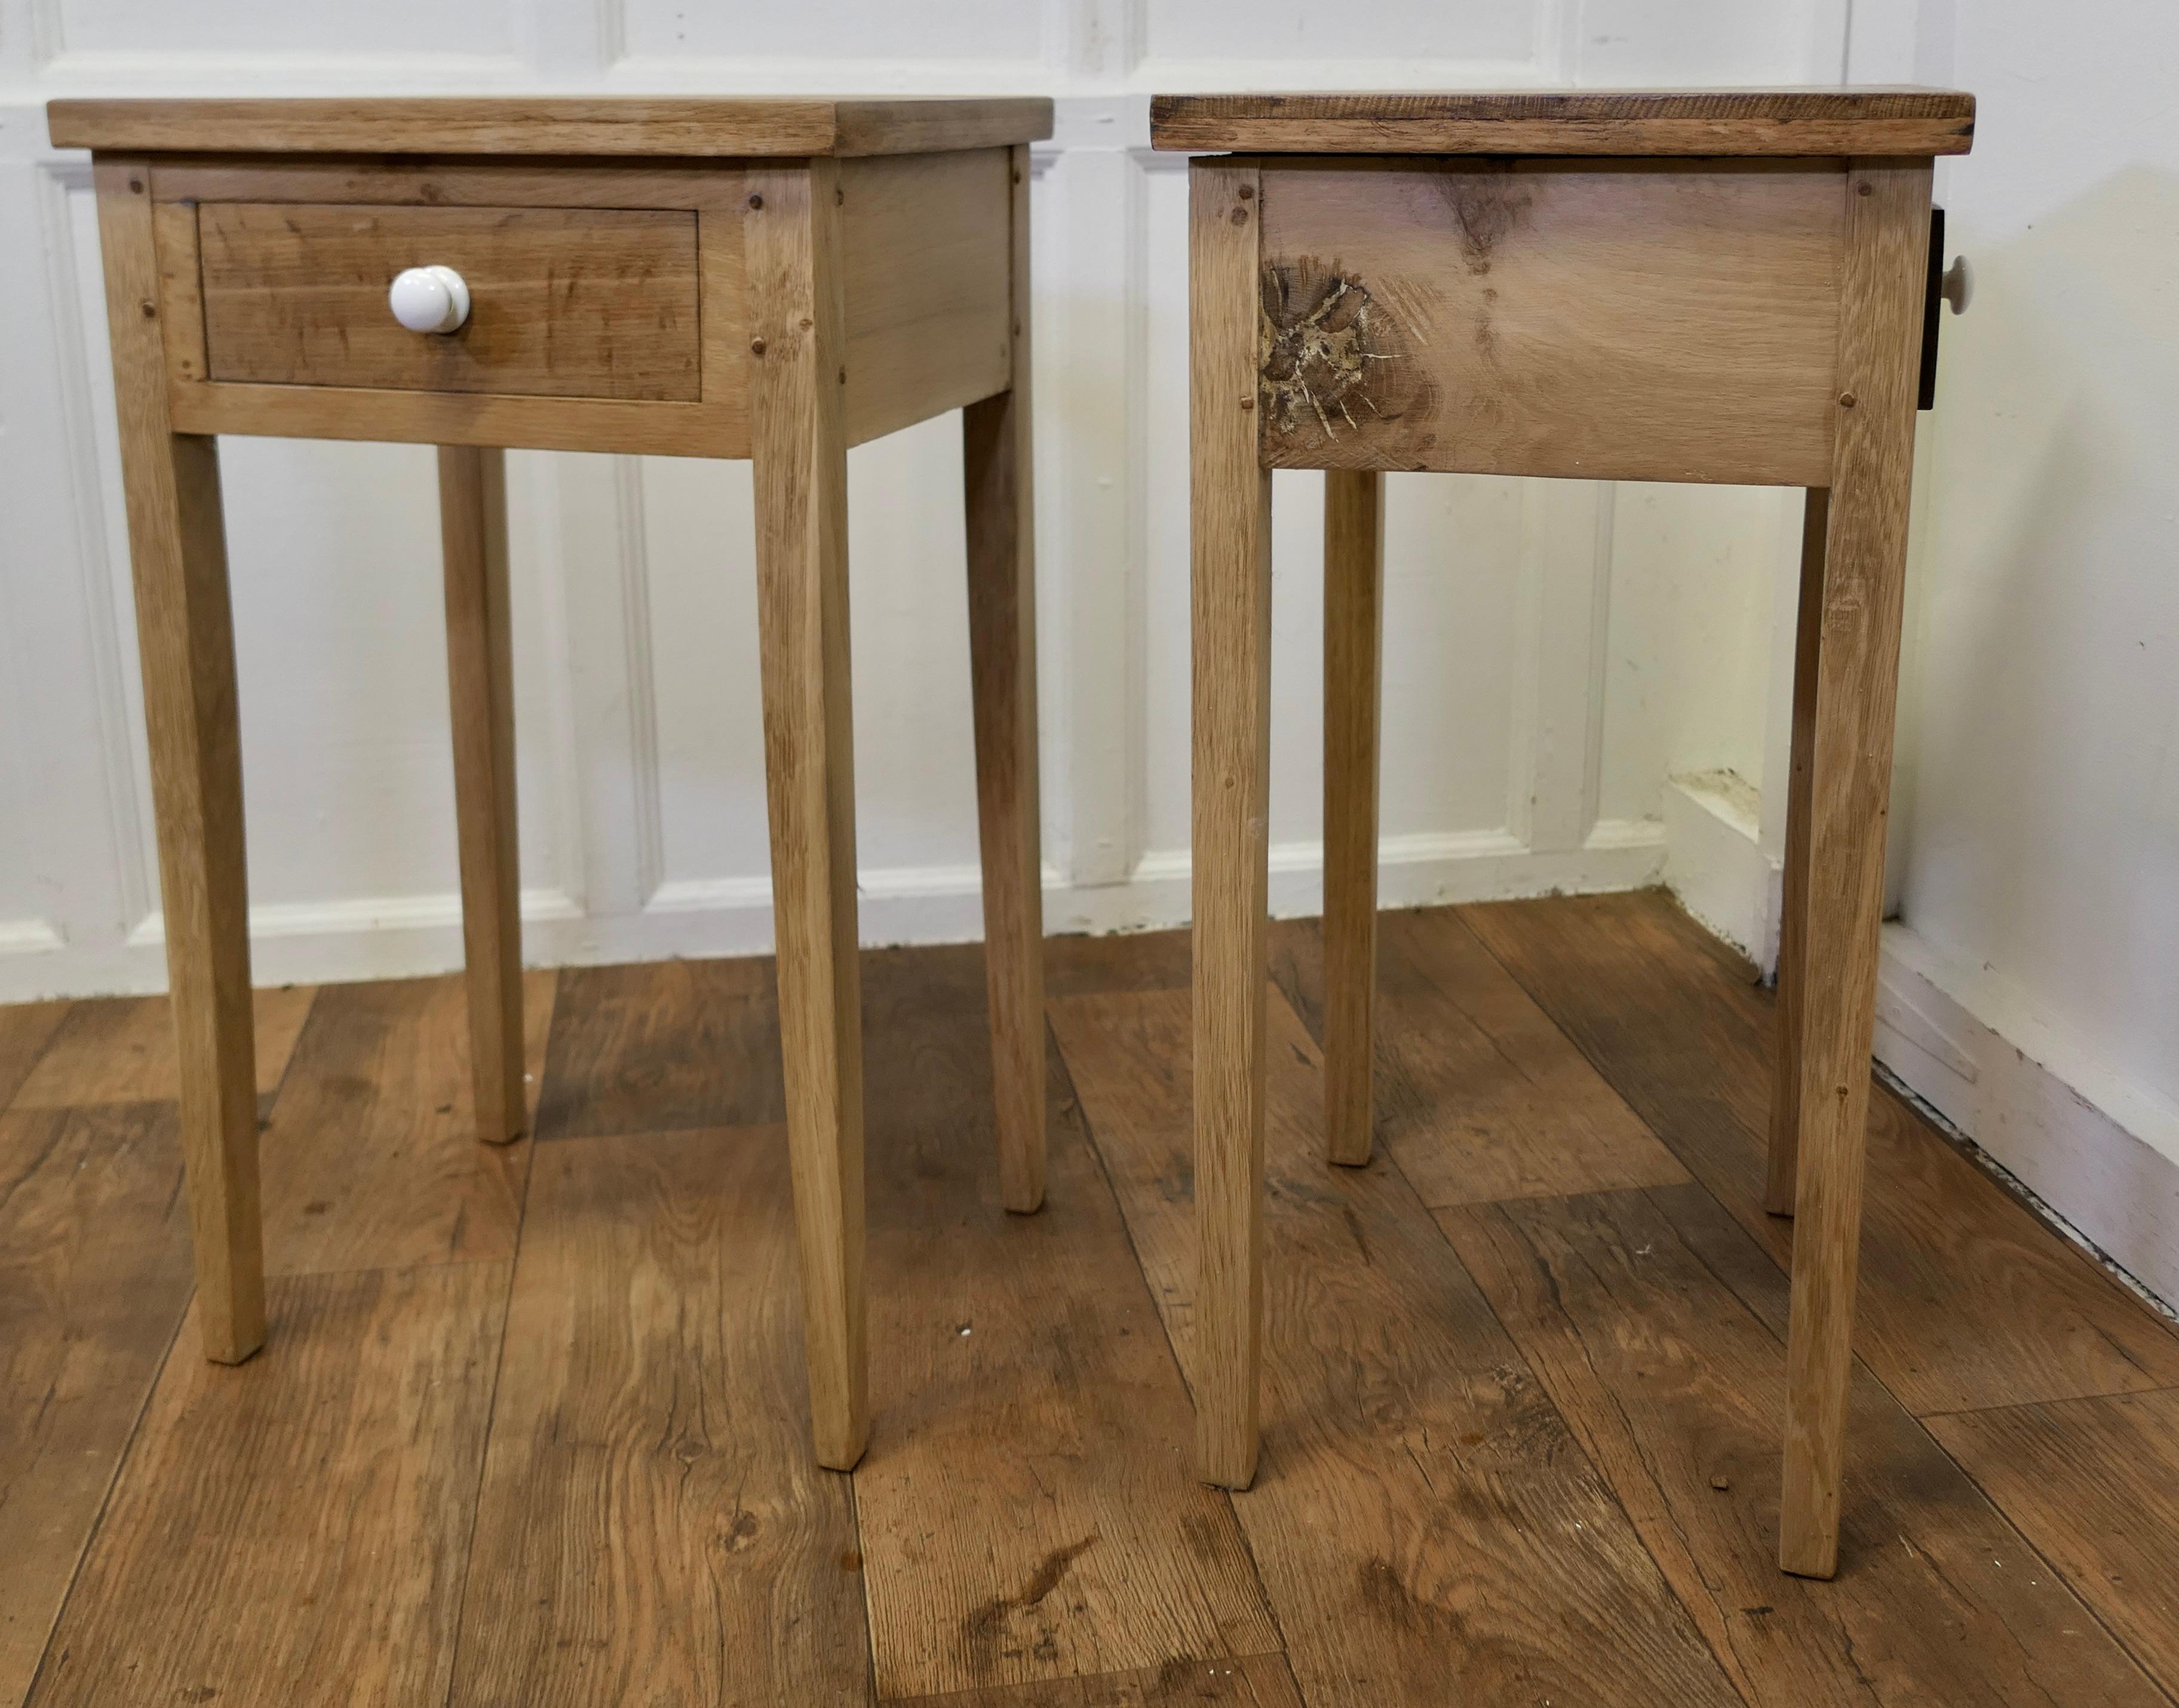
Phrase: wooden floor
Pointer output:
(529, 1429)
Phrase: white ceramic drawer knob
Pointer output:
(430, 299)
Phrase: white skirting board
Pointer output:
(409, 936)
(2101, 1154)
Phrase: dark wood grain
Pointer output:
(673, 1044)
(294, 1529)
(1677, 1390)
(2094, 1485)
(1803, 122)
(1479, 1096)
(1081, 966)
(1254, 1681)
(94, 1278)
(1965, 1300)
(651, 1528)
(25, 1029)
(121, 1050)
(1426, 1527)
(1029, 1509)
(370, 1156)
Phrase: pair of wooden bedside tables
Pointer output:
(1705, 286)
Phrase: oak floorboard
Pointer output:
(1965, 1300)
(1677, 1390)
(1252, 1681)
(2094, 1485)
(663, 1045)
(371, 1158)
(651, 1526)
(25, 1029)
(1080, 966)
(121, 1050)
(1428, 1530)
(94, 1278)
(1479, 1096)
(1029, 1505)
(293, 1529)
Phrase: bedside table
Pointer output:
(772, 279)
(1708, 285)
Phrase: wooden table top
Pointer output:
(742, 127)
(1717, 122)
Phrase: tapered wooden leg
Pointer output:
(1792, 918)
(1232, 598)
(995, 446)
(799, 448)
(1850, 774)
(185, 630)
(481, 672)
(1353, 631)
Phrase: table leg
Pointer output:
(1792, 918)
(184, 631)
(1231, 597)
(799, 450)
(1857, 673)
(1354, 634)
(996, 469)
(481, 672)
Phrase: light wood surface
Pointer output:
(1027, 1390)
(384, 182)
(2094, 1484)
(563, 302)
(94, 1278)
(647, 1439)
(997, 465)
(123, 1051)
(185, 637)
(1609, 319)
(1881, 293)
(1354, 636)
(1966, 1302)
(480, 672)
(455, 417)
(926, 247)
(658, 126)
(1401, 1560)
(1426, 1528)
(1478, 1095)
(792, 244)
(1807, 122)
(1231, 599)
(339, 1481)
(1673, 1388)
(383, 1067)
(1793, 993)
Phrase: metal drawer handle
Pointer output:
(430, 299)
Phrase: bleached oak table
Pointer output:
(1721, 286)
(773, 279)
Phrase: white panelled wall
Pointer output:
(1586, 686)
(1555, 651)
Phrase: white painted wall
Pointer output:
(2034, 968)
(1556, 649)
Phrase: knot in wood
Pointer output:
(1331, 354)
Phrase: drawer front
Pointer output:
(564, 302)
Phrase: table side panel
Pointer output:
(1657, 320)
(928, 253)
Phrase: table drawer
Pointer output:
(564, 302)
